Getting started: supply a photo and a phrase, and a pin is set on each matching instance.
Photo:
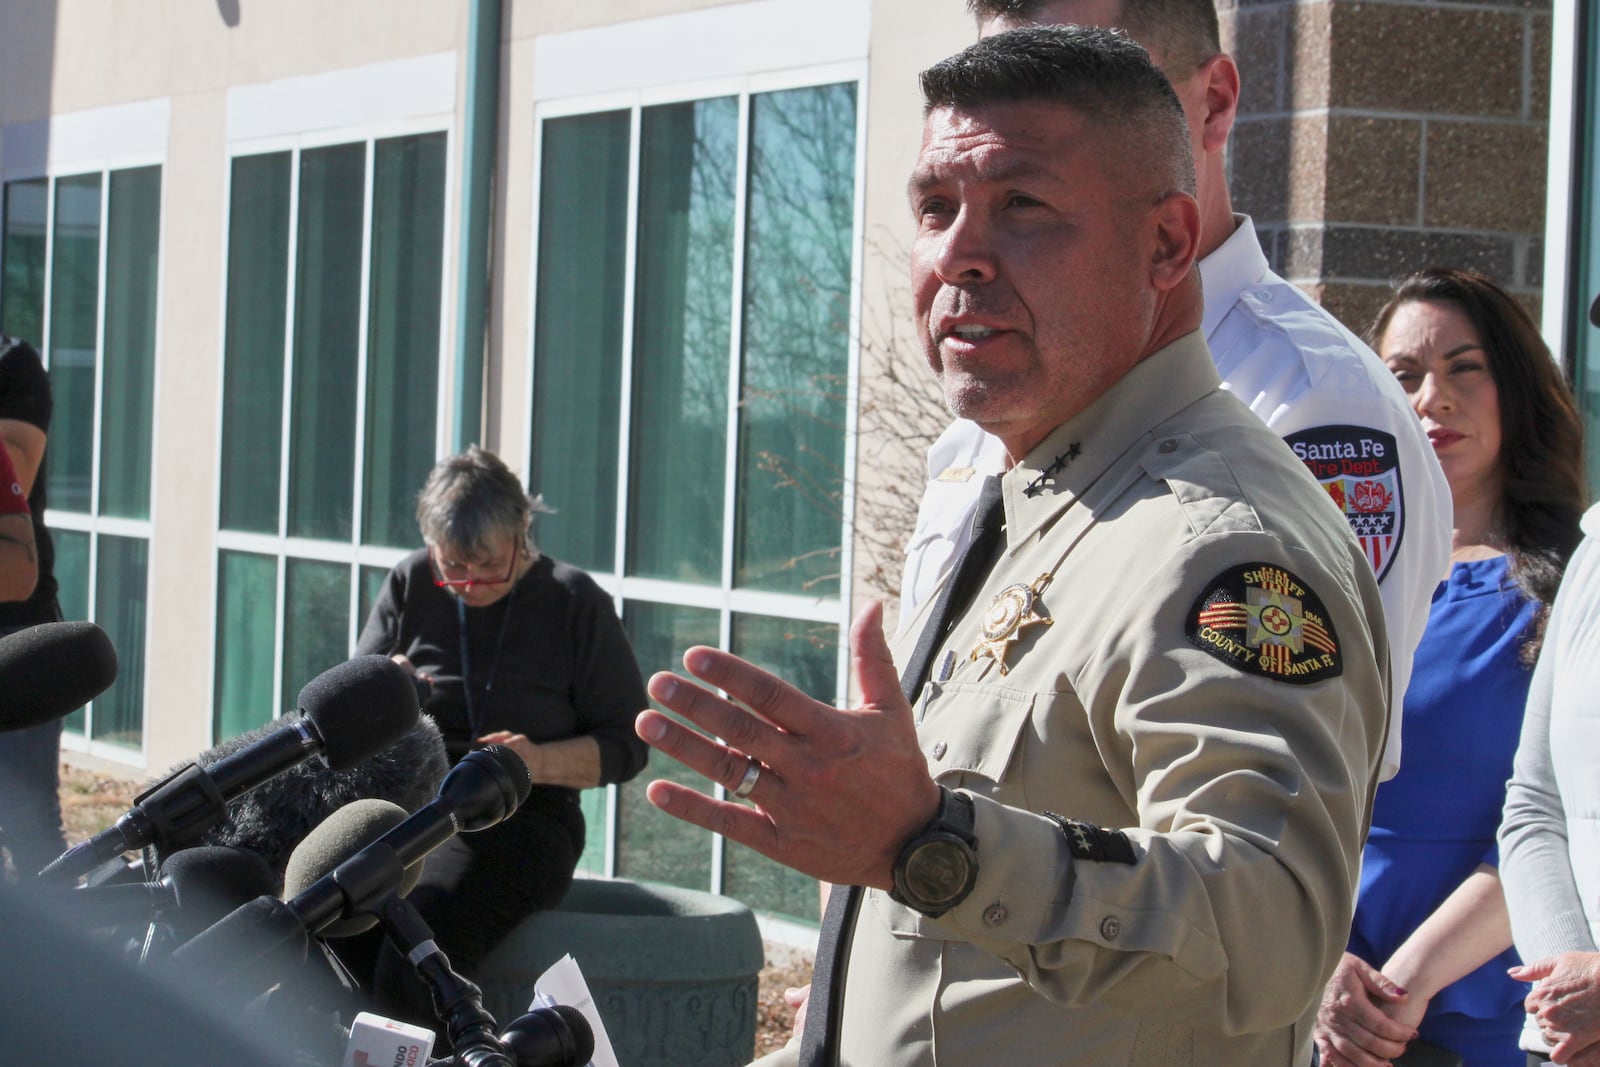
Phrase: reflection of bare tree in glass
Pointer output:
(683, 311)
(796, 321)
(798, 273)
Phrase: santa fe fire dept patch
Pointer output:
(1360, 469)
(1261, 619)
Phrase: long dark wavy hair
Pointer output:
(1541, 433)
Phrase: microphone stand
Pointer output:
(456, 1000)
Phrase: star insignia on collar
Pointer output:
(1013, 609)
(1035, 487)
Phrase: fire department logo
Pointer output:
(1261, 619)
(1360, 469)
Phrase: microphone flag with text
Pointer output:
(349, 712)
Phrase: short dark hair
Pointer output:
(1101, 74)
(1183, 32)
(1541, 433)
(472, 499)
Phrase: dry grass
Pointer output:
(90, 802)
(784, 967)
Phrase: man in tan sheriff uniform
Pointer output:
(1121, 821)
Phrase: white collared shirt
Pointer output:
(1315, 383)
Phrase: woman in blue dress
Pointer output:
(1431, 941)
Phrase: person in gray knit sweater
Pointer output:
(1550, 833)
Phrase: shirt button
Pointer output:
(939, 749)
(995, 915)
(1110, 927)
(1169, 445)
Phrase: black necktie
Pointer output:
(819, 1043)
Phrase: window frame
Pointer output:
(100, 142)
(724, 598)
(280, 546)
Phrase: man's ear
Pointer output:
(1175, 220)
(1221, 80)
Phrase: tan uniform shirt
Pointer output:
(1213, 681)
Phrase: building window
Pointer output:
(80, 254)
(330, 413)
(691, 403)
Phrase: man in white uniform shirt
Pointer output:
(1310, 379)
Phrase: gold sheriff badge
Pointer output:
(1014, 607)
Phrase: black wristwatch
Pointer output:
(938, 867)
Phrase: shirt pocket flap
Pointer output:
(974, 730)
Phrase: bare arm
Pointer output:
(1470, 928)
(19, 559)
(25, 442)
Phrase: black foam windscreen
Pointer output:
(209, 881)
(341, 835)
(356, 702)
(52, 669)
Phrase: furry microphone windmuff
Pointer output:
(274, 817)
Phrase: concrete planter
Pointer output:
(673, 971)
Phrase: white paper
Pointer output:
(563, 984)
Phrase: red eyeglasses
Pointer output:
(447, 574)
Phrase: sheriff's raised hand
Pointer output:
(833, 792)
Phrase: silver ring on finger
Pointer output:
(752, 774)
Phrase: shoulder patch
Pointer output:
(1261, 619)
(1360, 468)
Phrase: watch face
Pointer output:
(938, 872)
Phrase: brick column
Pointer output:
(1379, 136)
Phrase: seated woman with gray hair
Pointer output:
(508, 647)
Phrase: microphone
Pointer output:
(556, 1036)
(275, 818)
(485, 788)
(50, 670)
(198, 886)
(349, 712)
(342, 835)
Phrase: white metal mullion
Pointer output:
(218, 538)
(363, 353)
(47, 335)
(99, 345)
(1562, 196)
(619, 554)
(852, 398)
(93, 509)
(444, 363)
(290, 311)
(730, 474)
(530, 387)
(630, 264)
